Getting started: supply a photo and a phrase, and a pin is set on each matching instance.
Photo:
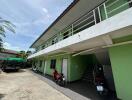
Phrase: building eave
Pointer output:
(61, 15)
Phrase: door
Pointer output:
(64, 67)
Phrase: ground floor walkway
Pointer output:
(78, 90)
(24, 85)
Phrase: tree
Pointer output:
(4, 26)
(24, 54)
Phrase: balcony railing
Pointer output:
(100, 13)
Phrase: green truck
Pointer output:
(12, 64)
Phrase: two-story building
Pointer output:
(86, 34)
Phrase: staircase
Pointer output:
(88, 75)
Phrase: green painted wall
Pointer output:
(78, 66)
(59, 59)
(58, 65)
(123, 39)
(49, 71)
(121, 60)
(37, 61)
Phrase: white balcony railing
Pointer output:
(100, 13)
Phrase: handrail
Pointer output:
(82, 17)
(99, 14)
(112, 3)
(105, 10)
(66, 31)
(84, 25)
(84, 20)
(120, 7)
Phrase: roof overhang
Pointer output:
(93, 45)
(75, 10)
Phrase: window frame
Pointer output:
(53, 63)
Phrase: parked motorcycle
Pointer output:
(100, 82)
(35, 69)
(59, 78)
(101, 86)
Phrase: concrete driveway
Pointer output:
(23, 85)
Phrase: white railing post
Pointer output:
(99, 14)
(60, 36)
(72, 29)
(94, 16)
(106, 15)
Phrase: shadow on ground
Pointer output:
(79, 90)
(15, 71)
(1, 96)
(89, 91)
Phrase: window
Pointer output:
(53, 64)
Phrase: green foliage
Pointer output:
(24, 54)
(4, 26)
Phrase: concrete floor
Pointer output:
(24, 85)
(27, 85)
(78, 90)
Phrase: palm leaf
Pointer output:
(1, 39)
(2, 31)
(8, 23)
(1, 45)
(5, 25)
(8, 27)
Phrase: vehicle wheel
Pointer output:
(3, 69)
(100, 93)
(16, 70)
(103, 93)
(34, 69)
(61, 82)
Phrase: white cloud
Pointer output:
(45, 10)
(21, 24)
(7, 45)
(25, 29)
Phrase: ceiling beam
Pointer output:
(107, 39)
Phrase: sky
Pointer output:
(31, 18)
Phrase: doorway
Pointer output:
(45, 64)
(64, 67)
